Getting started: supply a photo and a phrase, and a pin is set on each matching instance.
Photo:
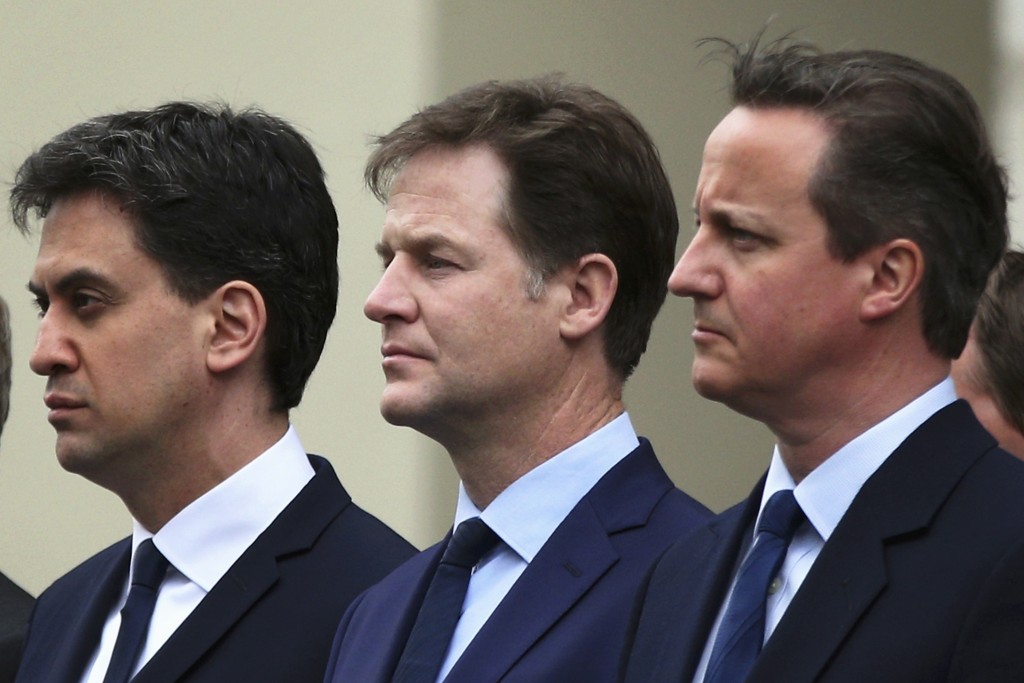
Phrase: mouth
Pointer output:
(704, 332)
(393, 352)
(61, 406)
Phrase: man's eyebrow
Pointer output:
(70, 280)
(416, 243)
(730, 215)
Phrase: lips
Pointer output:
(395, 349)
(397, 355)
(55, 401)
(704, 332)
(61, 406)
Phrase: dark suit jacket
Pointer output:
(922, 580)
(565, 618)
(270, 618)
(15, 607)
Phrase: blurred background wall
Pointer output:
(344, 70)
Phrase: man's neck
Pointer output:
(489, 466)
(808, 439)
(199, 466)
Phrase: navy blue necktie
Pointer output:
(741, 633)
(150, 569)
(442, 606)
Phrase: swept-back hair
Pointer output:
(909, 157)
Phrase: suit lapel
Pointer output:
(689, 583)
(572, 560)
(405, 617)
(901, 498)
(576, 556)
(84, 629)
(843, 583)
(254, 573)
(719, 546)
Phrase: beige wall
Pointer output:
(342, 71)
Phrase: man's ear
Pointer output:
(239, 323)
(897, 268)
(592, 281)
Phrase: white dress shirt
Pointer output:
(525, 515)
(203, 540)
(824, 496)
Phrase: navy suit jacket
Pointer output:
(565, 618)
(15, 608)
(922, 580)
(270, 618)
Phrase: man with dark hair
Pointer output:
(849, 209)
(186, 280)
(528, 235)
(989, 373)
(15, 603)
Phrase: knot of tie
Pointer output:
(150, 566)
(782, 515)
(470, 542)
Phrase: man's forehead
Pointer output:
(87, 231)
(417, 231)
(472, 170)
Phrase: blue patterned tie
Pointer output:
(432, 633)
(741, 633)
(150, 568)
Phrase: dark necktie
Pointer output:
(741, 633)
(150, 568)
(432, 633)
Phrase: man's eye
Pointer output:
(84, 300)
(741, 236)
(435, 263)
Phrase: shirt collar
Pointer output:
(827, 492)
(211, 533)
(526, 513)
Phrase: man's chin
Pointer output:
(74, 455)
(398, 413)
(426, 417)
(710, 383)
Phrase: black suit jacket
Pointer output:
(922, 580)
(270, 618)
(565, 619)
(15, 608)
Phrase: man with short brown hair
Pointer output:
(529, 230)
